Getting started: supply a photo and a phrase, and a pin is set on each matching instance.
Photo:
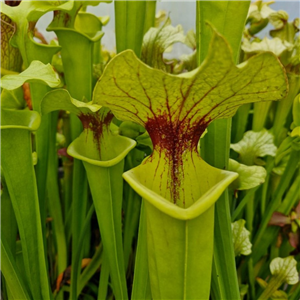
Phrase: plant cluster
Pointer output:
(123, 174)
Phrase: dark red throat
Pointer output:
(97, 124)
(174, 138)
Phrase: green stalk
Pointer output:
(239, 122)
(260, 115)
(9, 227)
(296, 293)
(67, 189)
(273, 285)
(25, 16)
(22, 185)
(251, 278)
(91, 269)
(224, 277)
(131, 222)
(54, 204)
(78, 69)
(242, 204)
(42, 136)
(9, 230)
(103, 156)
(132, 208)
(291, 197)
(104, 168)
(21, 182)
(150, 15)
(43, 53)
(13, 278)
(79, 249)
(133, 19)
(67, 179)
(42, 145)
(265, 186)
(107, 197)
(79, 204)
(141, 282)
(249, 216)
(20, 262)
(104, 279)
(215, 145)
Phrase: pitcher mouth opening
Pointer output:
(222, 180)
(80, 150)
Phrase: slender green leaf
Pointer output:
(131, 23)
(91, 269)
(104, 280)
(141, 282)
(102, 154)
(11, 273)
(21, 182)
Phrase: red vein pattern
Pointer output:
(176, 110)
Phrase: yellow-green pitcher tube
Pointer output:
(180, 254)
(102, 154)
(17, 167)
(77, 57)
(106, 184)
(179, 239)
